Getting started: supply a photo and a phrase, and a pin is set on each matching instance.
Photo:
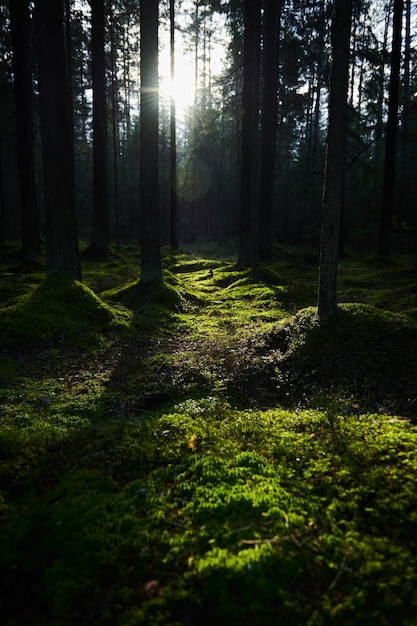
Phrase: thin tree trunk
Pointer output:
(385, 227)
(335, 158)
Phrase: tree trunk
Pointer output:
(100, 233)
(2, 210)
(385, 226)
(151, 265)
(115, 130)
(272, 17)
(23, 98)
(62, 254)
(173, 138)
(335, 158)
(247, 161)
(256, 95)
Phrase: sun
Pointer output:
(182, 87)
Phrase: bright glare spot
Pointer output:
(182, 88)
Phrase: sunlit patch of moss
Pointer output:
(173, 516)
(388, 284)
(187, 266)
(60, 309)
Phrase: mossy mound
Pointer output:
(361, 350)
(138, 295)
(60, 310)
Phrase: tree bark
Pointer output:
(151, 265)
(173, 138)
(248, 162)
(335, 158)
(115, 131)
(385, 226)
(100, 232)
(272, 17)
(23, 98)
(62, 255)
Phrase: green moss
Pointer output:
(367, 352)
(171, 518)
(60, 309)
(133, 490)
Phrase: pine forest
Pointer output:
(208, 312)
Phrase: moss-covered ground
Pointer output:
(208, 452)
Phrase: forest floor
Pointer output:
(208, 452)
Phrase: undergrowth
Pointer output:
(208, 452)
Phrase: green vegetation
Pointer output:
(207, 452)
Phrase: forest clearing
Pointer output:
(207, 451)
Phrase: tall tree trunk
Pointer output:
(62, 254)
(151, 265)
(2, 210)
(247, 161)
(23, 98)
(407, 64)
(256, 95)
(272, 18)
(335, 158)
(100, 232)
(379, 122)
(173, 138)
(385, 226)
(115, 130)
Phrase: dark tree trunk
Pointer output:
(272, 16)
(256, 94)
(151, 265)
(62, 254)
(2, 211)
(115, 132)
(173, 138)
(248, 161)
(385, 227)
(23, 97)
(335, 158)
(100, 233)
